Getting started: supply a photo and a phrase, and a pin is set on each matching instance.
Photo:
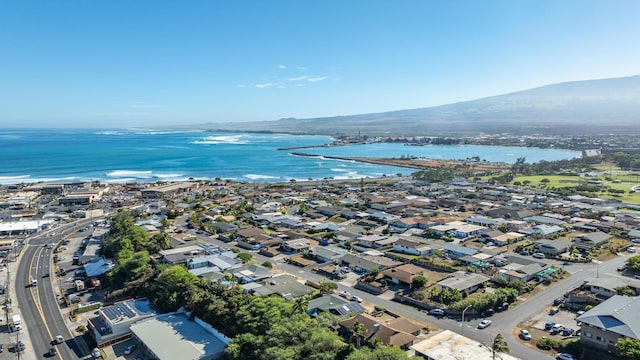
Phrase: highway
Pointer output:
(38, 304)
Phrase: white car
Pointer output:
(484, 323)
(356, 298)
(436, 312)
(129, 349)
(565, 356)
(345, 294)
(525, 335)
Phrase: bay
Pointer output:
(138, 155)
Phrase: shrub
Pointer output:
(545, 343)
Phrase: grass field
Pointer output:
(623, 182)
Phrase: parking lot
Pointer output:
(536, 326)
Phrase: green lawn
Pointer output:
(628, 181)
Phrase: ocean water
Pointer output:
(136, 155)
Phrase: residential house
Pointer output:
(327, 254)
(482, 221)
(285, 285)
(614, 319)
(605, 286)
(365, 264)
(457, 251)
(403, 274)
(591, 240)
(250, 273)
(296, 245)
(398, 332)
(335, 305)
(462, 281)
(545, 220)
(412, 247)
(554, 247)
(522, 269)
(542, 230)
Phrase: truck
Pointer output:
(16, 322)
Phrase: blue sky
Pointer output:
(145, 63)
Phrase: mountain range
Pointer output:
(604, 106)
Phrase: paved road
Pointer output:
(38, 304)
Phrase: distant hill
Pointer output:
(577, 107)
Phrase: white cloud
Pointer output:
(299, 78)
(316, 79)
(302, 68)
(264, 85)
(282, 67)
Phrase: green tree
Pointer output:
(380, 352)
(300, 305)
(418, 282)
(172, 287)
(625, 290)
(634, 263)
(628, 348)
(327, 287)
(245, 257)
(358, 330)
(499, 345)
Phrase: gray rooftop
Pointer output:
(618, 314)
(175, 336)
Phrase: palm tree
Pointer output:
(300, 305)
(357, 331)
(499, 346)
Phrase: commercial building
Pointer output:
(177, 336)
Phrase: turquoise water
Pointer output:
(147, 156)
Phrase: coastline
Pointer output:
(421, 164)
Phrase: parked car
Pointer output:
(129, 349)
(484, 323)
(554, 310)
(436, 312)
(549, 325)
(565, 356)
(96, 353)
(631, 249)
(579, 313)
(558, 301)
(538, 255)
(59, 339)
(525, 335)
(567, 331)
(557, 328)
(356, 298)
(344, 294)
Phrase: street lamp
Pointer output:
(462, 323)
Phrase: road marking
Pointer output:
(38, 303)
